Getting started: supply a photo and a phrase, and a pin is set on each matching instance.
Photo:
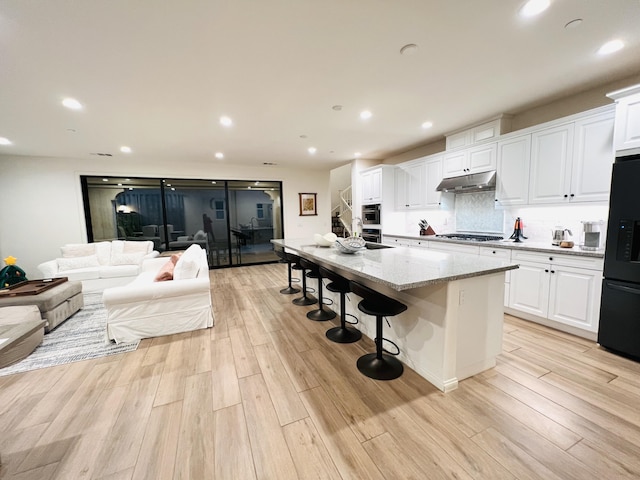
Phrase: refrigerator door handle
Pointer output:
(623, 288)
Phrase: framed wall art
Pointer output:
(308, 204)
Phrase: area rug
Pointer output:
(81, 337)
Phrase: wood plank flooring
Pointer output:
(265, 395)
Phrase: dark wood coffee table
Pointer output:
(17, 341)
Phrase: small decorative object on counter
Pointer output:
(350, 244)
(518, 231)
(11, 274)
(425, 228)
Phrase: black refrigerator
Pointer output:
(619, 328)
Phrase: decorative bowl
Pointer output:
(325, 240)
(350, 244)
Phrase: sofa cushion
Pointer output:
(80, 274)
(115, 271)
(72, 250)
(143, 246)
(188, 264)
(103, 251)
(75, 263)
(126, 258)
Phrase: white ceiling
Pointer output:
(156, 75)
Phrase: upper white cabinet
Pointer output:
(572, 162)
(479, 133)
(376, 184)
(470, 160)
(627, 131)
(433, 171)
(514, 159)
(551, 153)
(410, 185)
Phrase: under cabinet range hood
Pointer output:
(472, 182)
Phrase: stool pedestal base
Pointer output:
(321, 315)
(343, 335)
(385, 368)
(289, 290)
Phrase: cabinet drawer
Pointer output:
(502, 253)
(454, 248)
(591, 263)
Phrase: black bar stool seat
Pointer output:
(378, 365)
(288, 259)
(322, 313)
(306, 298)
(342, 333)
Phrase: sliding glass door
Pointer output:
(234, 221)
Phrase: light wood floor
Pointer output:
(265, 395)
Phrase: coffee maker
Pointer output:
(592, 235)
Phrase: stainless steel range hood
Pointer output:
(472, 182)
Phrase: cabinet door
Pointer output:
(415, 185)
(551, 154)
(376, 186)
(627, 134)
(455, 164)
(365, 179)
(593, 159)
(574, 297)
(482, 158)
(514, 158)
(433, 176)
(529, 288)
(400, 191)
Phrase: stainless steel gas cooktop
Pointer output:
(472, 237)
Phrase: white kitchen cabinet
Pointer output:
(627, 129)
(551, 154)
(410, 185)
(396, 241)
(572, 162)
(501, 254)
(514, 160)
(433, 176)
(479, 133)
(454, 248)
(471, 160)
(377, 185)
(561, 288)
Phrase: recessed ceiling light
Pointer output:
(219, 155)
(534, 7)
(125, 149)
(337, 108)
(365, 114)
(226, 121)
(119, 184)
(173, 188)
(72, 103)
(610, 47)
(426, 125)
(5, 141)
(303, 136)
(257, 183)
(213, 182)
(312, 150)
(105, 179)
(357, 154)
(409, 49)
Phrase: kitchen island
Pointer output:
(452, 328)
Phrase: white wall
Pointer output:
(42, 207)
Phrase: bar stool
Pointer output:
(341, 334)
(378, 365)
(284, 258)
(305, 299)
(321, 314)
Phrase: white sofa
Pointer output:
(100, 265)
(147, 308)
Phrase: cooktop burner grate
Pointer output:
(471, 237)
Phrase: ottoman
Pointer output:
(55, 304)
(21, 331)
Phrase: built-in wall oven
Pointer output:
(371, 214)
(371, 235)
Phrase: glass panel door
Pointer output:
(254, 219)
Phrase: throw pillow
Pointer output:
(78, 250)
(74, 263)
(166, 271)
(188, 264)
(126, 258)
(137, 247)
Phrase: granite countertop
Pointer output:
(529, 245)
(400, 268)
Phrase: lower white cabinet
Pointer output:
(454, 248)
(505, 255)
(561, 288)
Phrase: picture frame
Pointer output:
(308, 205)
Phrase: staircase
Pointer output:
(341, 214)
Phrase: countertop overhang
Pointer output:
(399, 268)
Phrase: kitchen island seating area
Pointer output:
(342, 333)
(321, 314)
(451, 328)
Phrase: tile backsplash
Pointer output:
(476, 212)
